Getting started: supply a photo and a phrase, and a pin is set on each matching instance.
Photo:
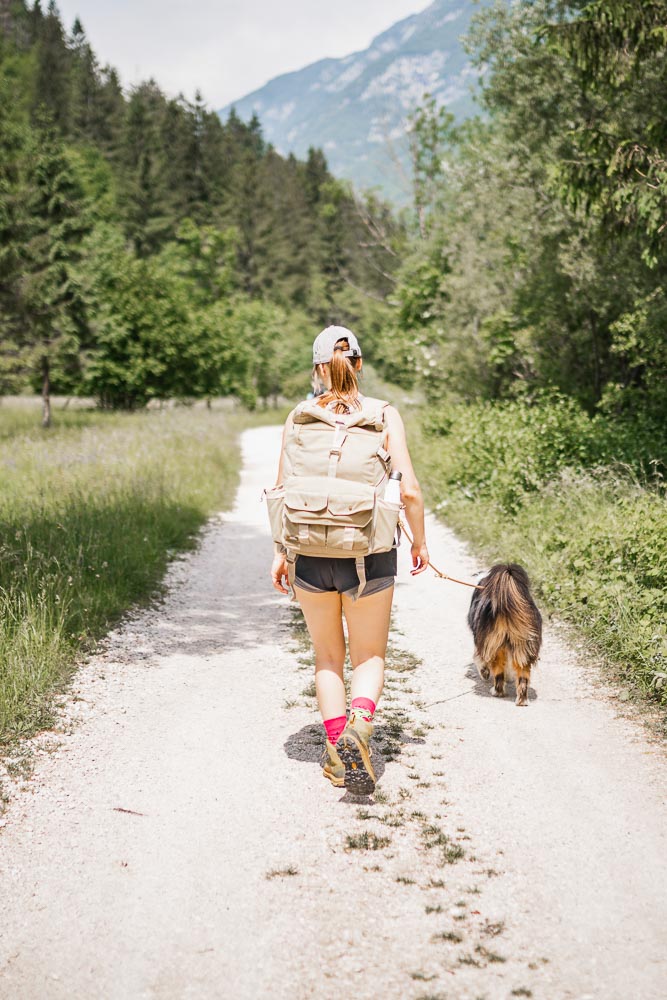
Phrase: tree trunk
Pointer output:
(46, 393)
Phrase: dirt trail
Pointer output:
(179, 841)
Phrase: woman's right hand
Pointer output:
(420, 558)
(279, 572)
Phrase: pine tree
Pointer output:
(53, 83)
(14, 138)
(51, 304)
(148, 198)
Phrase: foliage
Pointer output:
(194, 223)
(537, 268)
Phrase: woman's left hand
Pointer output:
(279, 573)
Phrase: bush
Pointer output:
(504, 452)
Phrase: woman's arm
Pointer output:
(279, 565)
(288, 425)
(411, 493)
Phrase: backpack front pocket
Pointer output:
(322, 518)
(275, 505)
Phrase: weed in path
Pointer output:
(405, 880)
(20, 765)
(433, 909)
(489, 956)
(450, 936)
(493, 928)
(470, 960)
(521, 991)
(433, 836)
(366, 841)
(282, 872)
(393, 819)
(422, 977)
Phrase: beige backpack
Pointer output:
(335, 472)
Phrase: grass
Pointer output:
(91, 511)
(282, 872)
(451, 936)
(366, 841)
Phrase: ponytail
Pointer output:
(344, 380)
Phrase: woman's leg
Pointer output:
(323, 618)
(368, 630)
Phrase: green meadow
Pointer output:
(90, 513)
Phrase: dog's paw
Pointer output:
(484, 673)
(497, 692)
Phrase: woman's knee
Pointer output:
(369, 661)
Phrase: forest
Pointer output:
(150, 251)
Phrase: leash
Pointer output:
(443, 576)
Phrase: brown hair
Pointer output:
(344, 389)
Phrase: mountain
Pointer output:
(356, 108)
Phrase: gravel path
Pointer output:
(176, 840)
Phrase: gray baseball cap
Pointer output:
(323, 348)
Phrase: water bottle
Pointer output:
(392, 493)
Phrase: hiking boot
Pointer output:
(332, 766)
(355, 754)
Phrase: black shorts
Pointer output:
(326, 575)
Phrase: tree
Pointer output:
(51, 305)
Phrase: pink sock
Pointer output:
(364, 706)
(334, 728)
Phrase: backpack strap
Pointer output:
(361, 573)
(340, 433)
(290, 558)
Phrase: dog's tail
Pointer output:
(506, 585)
(507, 588)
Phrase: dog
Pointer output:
(506, 627)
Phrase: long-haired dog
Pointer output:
(506, 627)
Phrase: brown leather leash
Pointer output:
(443, 576)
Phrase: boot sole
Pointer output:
(359, 774)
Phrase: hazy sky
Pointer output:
(227, 49)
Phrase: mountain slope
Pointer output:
(356, 108)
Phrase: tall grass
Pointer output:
(90, 513)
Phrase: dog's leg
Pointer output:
(522, 691)
(522, 680)
(482, 668)
(498, 671)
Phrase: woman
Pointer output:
(327, 588)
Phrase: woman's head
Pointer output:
(337, 361)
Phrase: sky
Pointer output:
(227, 49)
